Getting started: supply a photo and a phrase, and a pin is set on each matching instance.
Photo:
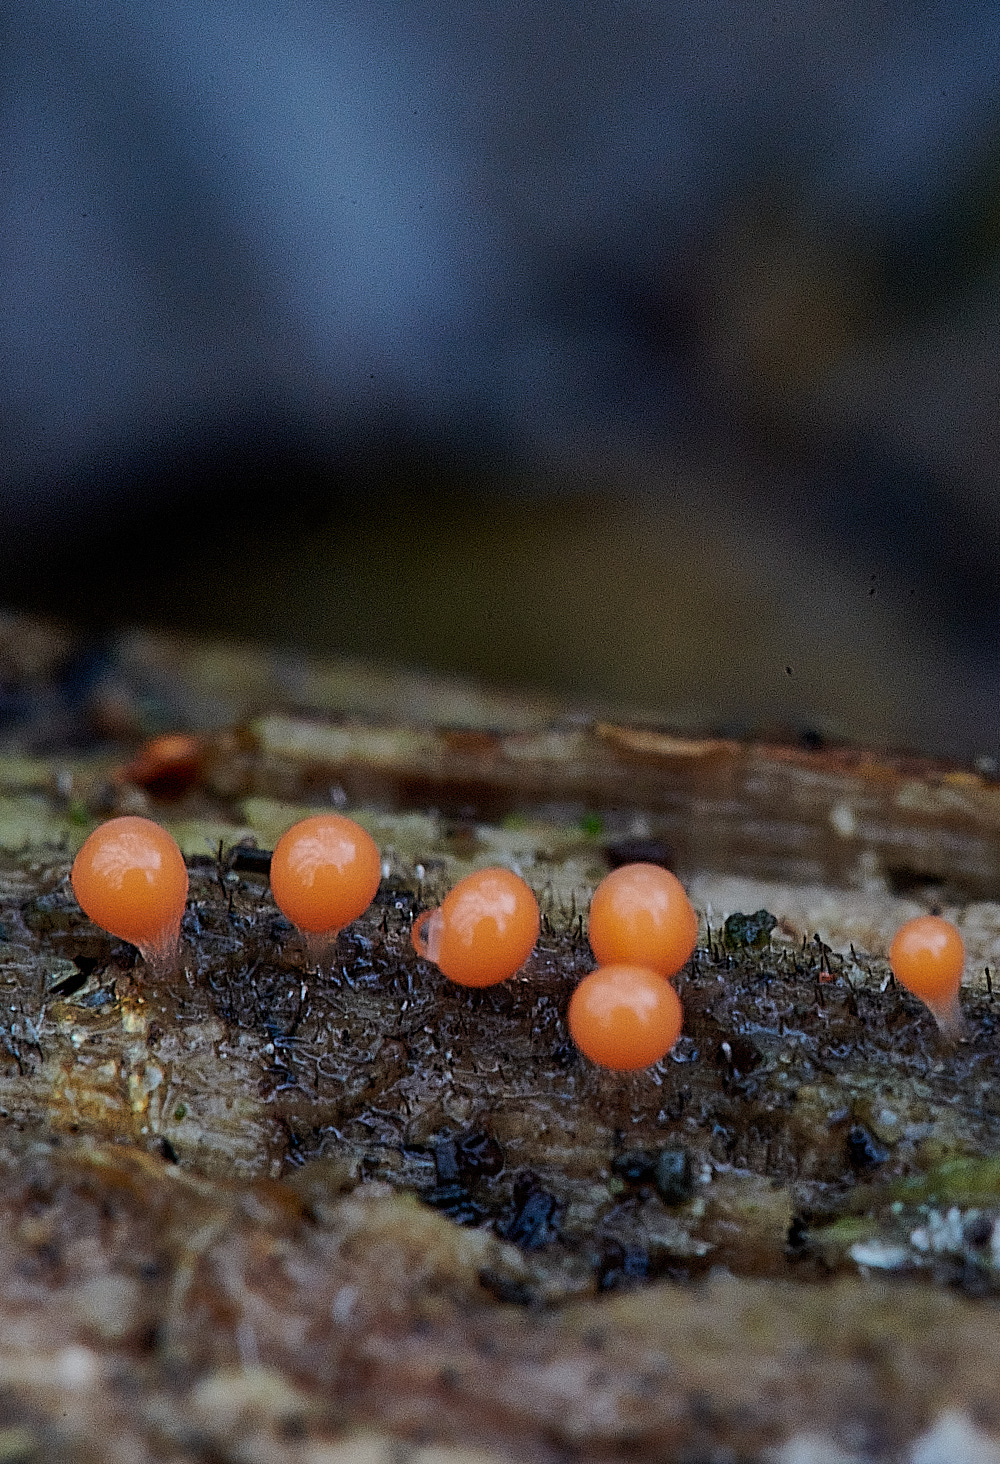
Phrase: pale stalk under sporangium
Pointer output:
(162, 956)
(321, 950)
(948, 1015)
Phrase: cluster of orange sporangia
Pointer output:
(130, 878)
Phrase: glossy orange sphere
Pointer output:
(625, 1017)
(641, 916)
(483, 931)
(130, 878)
(324, 873)
(927, 956)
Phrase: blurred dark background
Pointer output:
(643, 353)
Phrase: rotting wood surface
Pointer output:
(256, 1213)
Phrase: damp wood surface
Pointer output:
(257, 1212)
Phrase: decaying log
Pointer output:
(255, 1212)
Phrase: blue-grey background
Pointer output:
(645, 352)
